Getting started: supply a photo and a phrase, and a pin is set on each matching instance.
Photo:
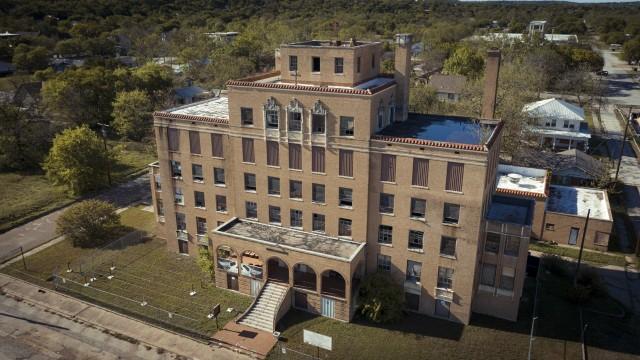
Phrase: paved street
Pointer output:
(42, 230)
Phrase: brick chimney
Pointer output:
(402, 74)
(490, 90)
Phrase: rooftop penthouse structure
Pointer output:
(316, 174)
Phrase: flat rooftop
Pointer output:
(577, 201)
(367, 85)
(296, 240)
(217, 108)
(441, 128)
(330, 43)
(518, 180)
(511, 210)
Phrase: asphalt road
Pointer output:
(42, 230)
(622, 88)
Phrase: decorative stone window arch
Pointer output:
(318, 118)
(294, 116)
(392, 111)
(381, 120)
(271, 114)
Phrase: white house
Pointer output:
(559, 124)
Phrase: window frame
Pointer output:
(449, 220)
(270, 181)
(389, 207)
(385, 234)
(243, 119)
(444, 248)
(338, 65)
(297, 186)
(347, 126)
(295, 214)
(412, 243)
(314, 198)
(248, 176)
(342, 192)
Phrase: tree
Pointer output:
(156, 80)
(24, 139)
(382, 299)
(80, 96)
(78, 160)
(464, 61)
(89, 223)
(424, 99)
(631, 50)
(132, 114)
(30, 59)
(205, 262)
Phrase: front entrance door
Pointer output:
(328, 307)
(232, 281)
(255, 287)
(300, 300)
(573, 236)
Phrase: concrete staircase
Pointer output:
(263, 310)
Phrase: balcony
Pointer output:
(444, 294)
(182, 235)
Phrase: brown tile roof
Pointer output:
(172, 116)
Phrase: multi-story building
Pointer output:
(316, 174)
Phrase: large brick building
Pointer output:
(316, 174)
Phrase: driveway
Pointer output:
(42, 230)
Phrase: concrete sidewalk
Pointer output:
(76, 309)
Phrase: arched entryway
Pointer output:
(277, 270)
(251, 265)
(227, 259)
(304, 277)
(333, 284)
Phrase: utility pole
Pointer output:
(584, 234)
(624, 140)
(103, 128)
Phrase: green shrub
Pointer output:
(89, 223)
(382, 299)
(555, 265)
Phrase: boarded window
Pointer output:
(174, 139)
(388, 168)
(317, 159)
(455, 172)
(194, 142)
(346, 163)
(248, 154)
(273, 153)
(420, 175)
(216, 145)
(295, 156)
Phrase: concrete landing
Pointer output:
(247, 338)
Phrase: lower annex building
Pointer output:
(316, 174)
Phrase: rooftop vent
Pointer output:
(515, 178)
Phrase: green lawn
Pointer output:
(588, 256)
(28, 196)
(144, 271)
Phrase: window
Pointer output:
(248, 154)
(601, 239)
(448, 246)
(339, 65)
(508, 278)
(272, 118)
(218, 176)
(455, 172)
(373, 61)
(565, 124)
(201, 226)
(194, 142)
(492, 243)
(344, 227)
(442, 308)
(173, 136)
(295, 121)
(249, 182)
(317, 159)
(196, 172)
(414, 269)
(345, 197)
(388, 168)
(274, 214)
(179, 196)
(295, 189)
(445, 277)
(181, 222)
(317, 193)
(318, 222)
(251, 210)
(345, 163)
(358, 64)
(451, 213)
(386, 203)
(384, 262)
(385, 234)
(418, 208)
(381, 117)
(273, 153)
(415, 239)
(315, 64)
(273, 184)
(216, 146)
(420, 176)
(550, 123)
(346, 126)
(295, 156)
(451, 96)
(550, 227)
(246, 116)
(488, 275)
(412, 301)
(512, 246)
(318, 123)
(296, 218)
(199, 199)
(176, 169)
(183, 246)
(221, 203)
(293, 63)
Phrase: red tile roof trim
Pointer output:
(521, 193)
(421, 142)
(212, 120)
